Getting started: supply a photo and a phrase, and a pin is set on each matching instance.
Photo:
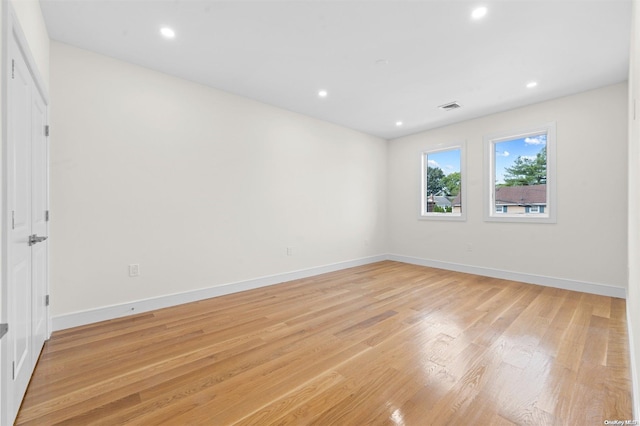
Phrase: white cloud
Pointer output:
(433, 163)
(528, 157)
(537, 140)
(503, 154)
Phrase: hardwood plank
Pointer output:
(386, 343)
(292, 400)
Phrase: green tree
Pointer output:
(527, 171)
(434, 180)
(451, 184)
(438, 209)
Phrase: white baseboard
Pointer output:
(75, 319)
(635, 388)
(585, 287)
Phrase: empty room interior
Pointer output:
(320, 212)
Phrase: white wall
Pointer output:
(588, 242)
(198, 186)
(633, 296)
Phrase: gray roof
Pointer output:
(440, 200)
(522, 195)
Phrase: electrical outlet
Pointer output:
(469, 247)
(289, 251)
(134, 270)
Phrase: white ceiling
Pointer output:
(283, 52)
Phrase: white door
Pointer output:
(26, 252)
(19, 307)
(39, 223)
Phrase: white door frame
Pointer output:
(11, 31)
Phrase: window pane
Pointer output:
(521, 175)
(442, 182)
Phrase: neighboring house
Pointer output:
(457, 204)
(441, 200)
(529, 199)
(438, 200)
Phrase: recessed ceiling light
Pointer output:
(382, 62)
(532, 84)
(479, 12)
(323, 93)
(398, 123)
(167, 32)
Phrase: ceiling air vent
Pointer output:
(450, 106)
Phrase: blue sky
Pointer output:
(507, 152)
(447, 161)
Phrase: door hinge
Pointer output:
(13, 219)
(46, 130)
(13, 370)
(13, 69)
(46, 300)
(46, 215)
(4, 328)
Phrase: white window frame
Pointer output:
(551, 208)
(423, 214)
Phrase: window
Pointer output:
(520, 179)
(442, 183)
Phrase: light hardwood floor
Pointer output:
(387, 343)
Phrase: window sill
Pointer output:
(521, 218)
(443, 216)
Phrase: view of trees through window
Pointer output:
(521, 175)
(442, 182)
